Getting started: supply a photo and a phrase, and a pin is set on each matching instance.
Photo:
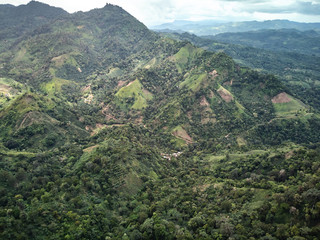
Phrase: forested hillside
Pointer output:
(299, 72)
(284, 40)
(111, 131)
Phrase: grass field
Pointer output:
(289, 108)
(135, 91)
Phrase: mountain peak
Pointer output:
(41, 8)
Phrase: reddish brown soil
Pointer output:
(281, 98)
(204, 102)
(225, 95)
(121, 83)
(182, 134)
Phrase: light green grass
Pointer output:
(134, 90)
(9, 81)
(115, 72)
(178, 129)
(289, 108)
(241, 141)
(258, 200)
(151, 63)
(17, 153)
(193, 81)
(185, 55)
(22, 56)
(233, 156)
(54, 86)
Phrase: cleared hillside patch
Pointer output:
(134, 96)
(181, 133)
(225, 94)
(193, 81)
(185, 56)
(286, 105)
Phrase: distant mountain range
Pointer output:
(213, 27)
(290, 54)
(111, 131)
(289, 40)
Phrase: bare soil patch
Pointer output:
(225, 95)
(5, 88)
(204, 102)
(281, 98)
(214, 73)
(121, 83)
(182, 134)
(228, 83)
(90, 149)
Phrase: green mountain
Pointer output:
(299, 72)
(17, 21)
(289, 40)
(111, 131)
(211, 27)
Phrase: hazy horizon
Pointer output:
(156, 12)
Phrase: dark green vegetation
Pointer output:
(212, 27)
(297, 67)
(289, 40)
(110, 131)
(17, 21)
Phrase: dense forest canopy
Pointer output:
(111, 131)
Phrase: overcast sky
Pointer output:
(153, 12)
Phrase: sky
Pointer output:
(155, 12)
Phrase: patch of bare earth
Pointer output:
(182, 134)
(281, 98)
(204, 102)
(228, 83)
(107, 113)
(90, 149)
(130, 83)
(206, 120)
(139, 120)
(5, 88)
(89, 128)
(214, 73)
(121, 83)
(225, 95)
(146, 92)
(289, 155)
(35, 117)
(89, 98)
(86, 88)
(100, 126)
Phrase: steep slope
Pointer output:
(215, 102)
(17, 21)
(113, 132)
(38, 123)
(80, 44)
(289, 40)
(298, 72)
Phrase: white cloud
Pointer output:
(153, 12)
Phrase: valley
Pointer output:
(109, 130)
